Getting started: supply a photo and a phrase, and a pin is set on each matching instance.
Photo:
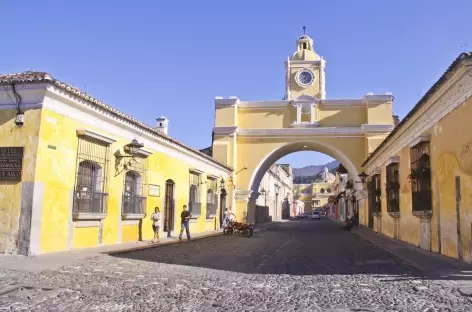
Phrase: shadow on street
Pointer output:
(302, 247)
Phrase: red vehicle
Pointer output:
(246, 229)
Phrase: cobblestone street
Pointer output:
(292, 266)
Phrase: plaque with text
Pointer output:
(11, 163)
(154, 190)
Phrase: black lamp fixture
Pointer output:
(363, 176)
(133, 148)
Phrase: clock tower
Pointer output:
(305, 72)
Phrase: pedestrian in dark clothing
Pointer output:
(185, 217)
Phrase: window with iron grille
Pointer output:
(212, 198)
(393, 188)
(194, 204)
(91, 177)
(375, 193)
(133, 195)
(420, 177)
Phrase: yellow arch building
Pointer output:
(250, 136)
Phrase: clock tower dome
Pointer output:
(305, 71)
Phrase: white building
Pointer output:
(276, 191)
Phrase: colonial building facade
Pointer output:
(276, 193)
(75, 173)
(420, 177)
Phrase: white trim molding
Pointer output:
(221, 102)
(65, 104)
(94, 135)
(231, 130)
(305, 124)
(418, 140)
(368, 128)
(455, 91)
(376, 99)
(303, 62)
(257, 105)
(310, 131)
(374, 171)
(144, 153)
(242, 195)
(393, 160)
(196, 170)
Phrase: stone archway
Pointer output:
(251, 135)
(289, 148)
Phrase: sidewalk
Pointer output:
(58, 259)
(432, 265)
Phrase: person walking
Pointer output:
(185, 217)
(227, 217)
(156, 218)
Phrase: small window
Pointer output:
(304, 45)
(133, 202)
(322, 190)
(328, 190)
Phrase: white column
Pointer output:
(287, 79)
(299, 114)
(312, 113)
(322, 79)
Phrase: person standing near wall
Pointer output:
(156, 219)
(185, 219)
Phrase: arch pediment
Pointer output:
(306, 99)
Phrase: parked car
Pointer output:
(316, 215)
(302, 215)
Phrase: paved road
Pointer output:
(294, 266)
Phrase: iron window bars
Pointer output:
(91, 181)
(420, 177)
(393, 188)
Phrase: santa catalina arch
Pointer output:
(250, 136)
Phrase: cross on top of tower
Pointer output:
(304, 30)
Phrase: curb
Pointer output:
(167, 242)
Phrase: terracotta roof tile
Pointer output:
(38, 77)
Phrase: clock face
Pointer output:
(305, 77)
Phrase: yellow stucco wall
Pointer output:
(130, 233)
(450, 152)
(83, 238)
(10, 191)
(346, 117)
(56, 156)
(380, 114)
(451, 146)
(409, 224)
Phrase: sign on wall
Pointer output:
(154, 190)
(11, 163)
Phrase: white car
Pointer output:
(316, 215)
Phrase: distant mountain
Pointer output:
(313, 170)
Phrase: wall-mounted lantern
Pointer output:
(133, 148)
(363, 176)
(19, 119)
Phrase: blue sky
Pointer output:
(171, 58)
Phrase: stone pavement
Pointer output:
(300, 265)
(56, 260)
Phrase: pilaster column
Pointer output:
(287, 79)
(312, 113)
(299, 114)
(322, 79)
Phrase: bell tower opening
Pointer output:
(305, 71)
